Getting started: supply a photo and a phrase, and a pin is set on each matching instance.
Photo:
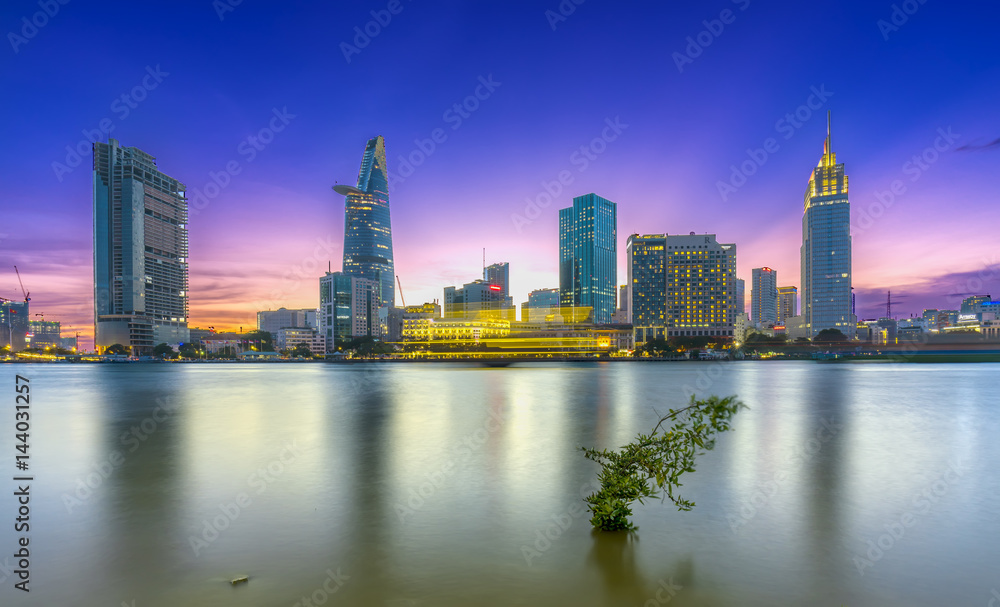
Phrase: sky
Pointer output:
(706, 118)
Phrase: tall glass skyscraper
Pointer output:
(588, 236)
(140, 251)
(367, 226)
(764, 297)
(826, 248)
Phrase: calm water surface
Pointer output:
(412, 485)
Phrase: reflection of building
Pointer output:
(13, 325)
(348, 308)
(787, 303)
(140, 251)
(826, 248)
(542, 305)
(367, 225)
(44, 333)
(272, 320)
(588, 255)
(289, 337)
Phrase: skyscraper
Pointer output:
(588, 233)
(787, 304)
(764, 297)
(741, 299)
(140, 251)
(498, 274)
(701, 286)
(826, 248)
(348, 308)
(647, 261)
(367, 225)
(681, 286)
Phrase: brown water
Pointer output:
(412, 485)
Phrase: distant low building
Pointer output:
(44, 333)
(272, 320)
(290, 337)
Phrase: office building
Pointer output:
(542, 306)
(367, 224)
(764, 297)
(787, 303)
(273, 320)
(588, 236)
(475, 299)
(140, 251)
(498, 274)
(44, 333)
(826, 248)
(973, 305)
(741, 300)
(682, 286)
(14, 325)
(287, 338)
(349, 308)
(646, 268)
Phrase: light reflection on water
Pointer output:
(453, 485)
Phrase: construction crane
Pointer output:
(26, 293)
(400, 285)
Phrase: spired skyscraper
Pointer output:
(140, 251)
(367, 226)
(826, 248)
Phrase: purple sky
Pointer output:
(266, 237)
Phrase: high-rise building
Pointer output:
(701, 286)
(764, 297)
(826, 248)
(367, 225)
(498, 274)
(348, 308)
(43, 333)
(274, 320)
(588, 235)
(477, 298)
(973, 305)
(646, 267)
(14, 325)
(741, 299)
(140, 251)
(542, 303)
(787, 303)
(681, 286)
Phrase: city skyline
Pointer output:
(482, 173)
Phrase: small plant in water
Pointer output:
(651, 465)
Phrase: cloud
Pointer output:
(972, 147)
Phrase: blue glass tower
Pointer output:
(588, 236)
(826, 249)
(367, 226)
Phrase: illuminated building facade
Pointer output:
(367, 224)
(682, 286)
(588, 237)
(826, 249)
(140, 251)
(787, 303)
(764, 297)
(44, 333)
(647, 265)
(349, 308)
